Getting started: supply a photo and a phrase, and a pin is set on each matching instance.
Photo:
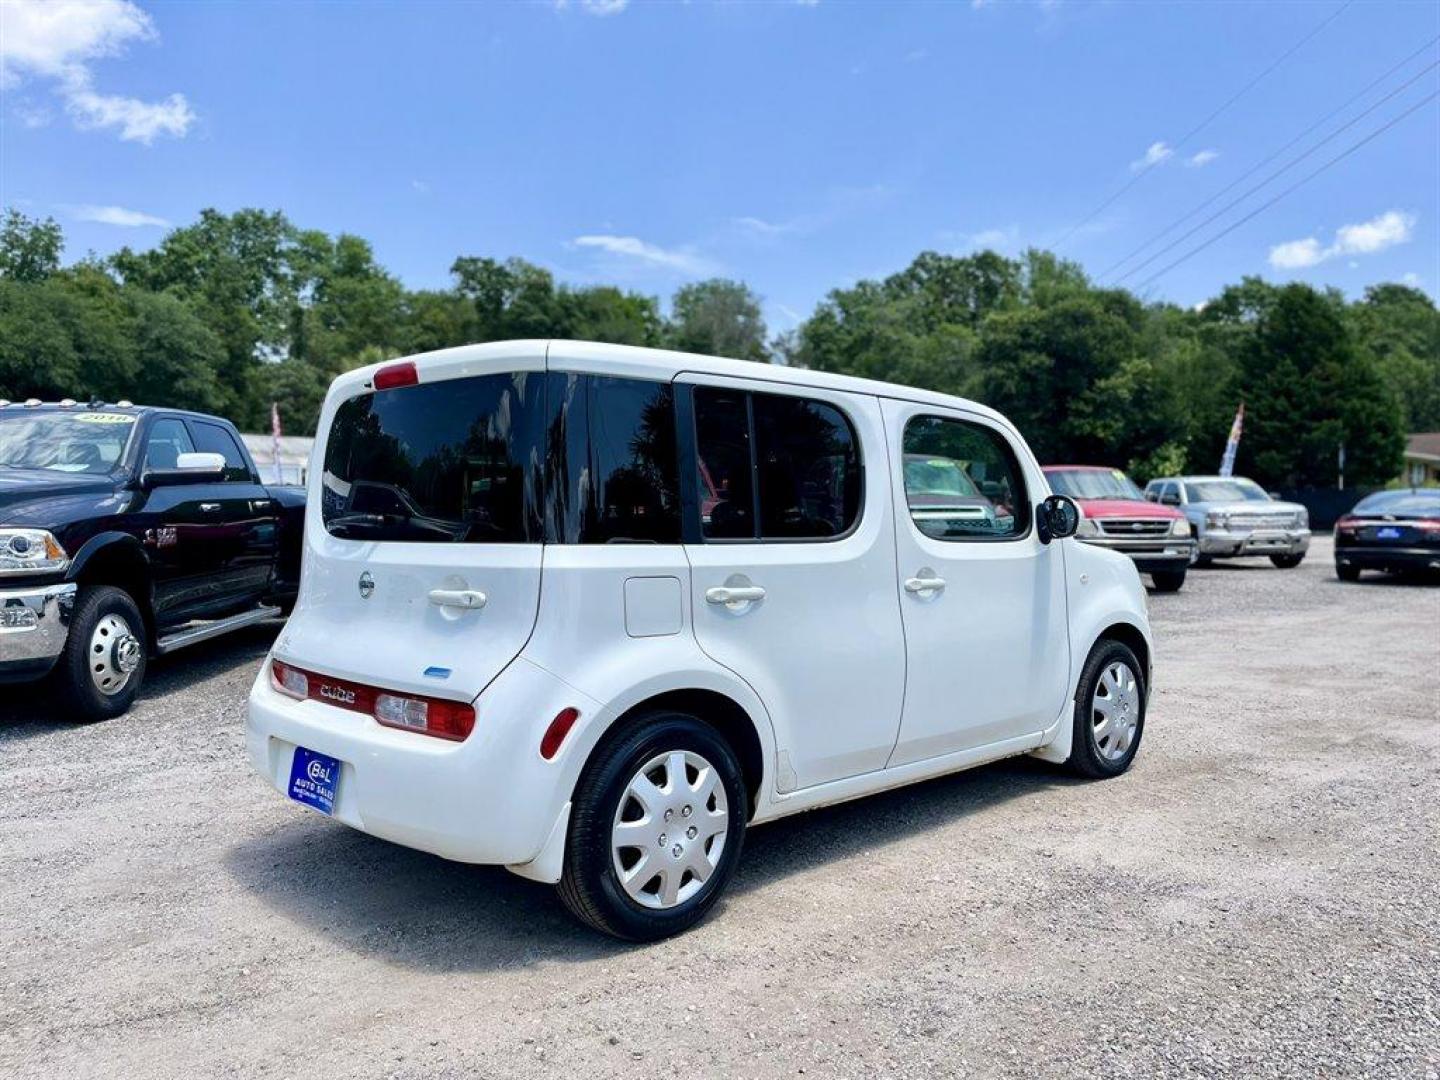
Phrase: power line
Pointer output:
(1293, 187)
(1203, 124)
(1266, 161)
(1276, 174)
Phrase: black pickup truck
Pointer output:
(127, 532)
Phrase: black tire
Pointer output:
(80, 699)
(1204, 560)
(589, 884)
(1287, 562)
(1347, 573)
(1168, 580)
(1087, 757)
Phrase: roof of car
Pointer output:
(1081, 468)
(640, 363)
(79, 407)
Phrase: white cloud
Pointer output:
(1201, 159)
(595, 7)
(117, 215)
(421, 186)
(762, 227)
(1412, 279)
(59, 40)
(631, 247)
(1368, 237)
(1157, 152)
(996, 239)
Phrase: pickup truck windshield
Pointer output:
(80, 442)
(1213, 491)
(1093, 484)
(457, 461)
(938, 476)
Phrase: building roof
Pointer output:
(1424, 445)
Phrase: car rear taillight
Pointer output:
(1345, 526)
(440, 717)
(1429, 525)
(393, 375)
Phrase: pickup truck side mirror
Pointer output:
(1170, 499)
(1152, 496)
(192, 468)
(1056, 518)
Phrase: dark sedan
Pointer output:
(1398, 531)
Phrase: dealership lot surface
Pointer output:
(1256, 897)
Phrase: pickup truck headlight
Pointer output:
(1215, 520)
(1087, 527)
(1181, 527)
(1302, 519)
(30, 551)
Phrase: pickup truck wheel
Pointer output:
(1287, 562)
(103, 664)
(1168, 580)
(1109, 712)
(655, 833)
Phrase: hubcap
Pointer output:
(1115, 711)
(662, 865)
(114, 654)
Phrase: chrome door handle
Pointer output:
(926, 582)
(465, 599)
(209, 507)
(734, 594)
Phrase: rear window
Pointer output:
(457, 461)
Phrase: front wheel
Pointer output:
(659, 817)
(1347, 573)
(1109, 712)
(1287, 562)
(1168, 580)
(103, 664)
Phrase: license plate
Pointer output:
(313, 779)
(1387, 533)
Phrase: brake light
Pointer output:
(439, 717)
(393, 375)
(556, 732)
(1428, 525)
(1345, 526)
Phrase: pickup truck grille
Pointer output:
(1134, 526)
(1284, 520)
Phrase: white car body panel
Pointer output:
(818, 668)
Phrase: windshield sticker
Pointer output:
(104, 418)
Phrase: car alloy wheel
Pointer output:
(669, 830)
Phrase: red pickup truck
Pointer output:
(1117, 515)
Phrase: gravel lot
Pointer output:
(1256, 897)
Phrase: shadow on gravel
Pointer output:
(31, 710)
(421, 911)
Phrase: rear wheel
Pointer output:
(1287, 562)
(655, 834)
(103, 664)
(1168, 580)
(1109, 712)
(1347, 573)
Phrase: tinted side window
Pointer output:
(809, 468)
(962, 481)
(613, 471)
(723, 463)
(213, 439)
(167, 440)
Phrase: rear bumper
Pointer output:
(489, 799)
(1160, 555)
(1221, 543)
(1397, 558)
(34, 623)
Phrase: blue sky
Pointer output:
(796, 146)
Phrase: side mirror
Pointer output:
(1171, 499)
(1276, 496)
(189, 469)
(1152, 496)
(1056, 518)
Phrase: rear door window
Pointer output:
(456, 461)
(774, 467)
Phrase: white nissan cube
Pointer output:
(590, 612)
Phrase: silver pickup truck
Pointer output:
(1234, 517)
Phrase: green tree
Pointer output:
(719, 318)
(1400, 327)
(29, 248)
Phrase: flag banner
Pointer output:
(275, 440)
(1227, 463)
